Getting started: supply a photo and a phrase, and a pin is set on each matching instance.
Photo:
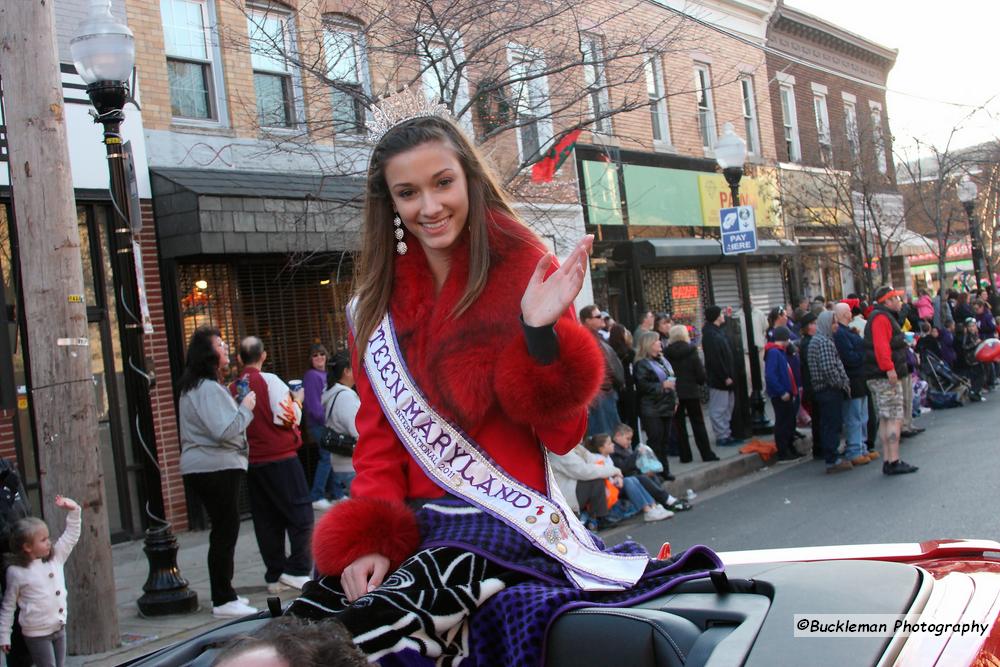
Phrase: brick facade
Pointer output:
(684, 42)
(168, 448)
(841, 68)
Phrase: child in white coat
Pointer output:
(36, 585)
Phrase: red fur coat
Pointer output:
(475, 370)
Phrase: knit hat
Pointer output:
(712, 313)
(782, 333)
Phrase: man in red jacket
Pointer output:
(276, 482)
(884, 366)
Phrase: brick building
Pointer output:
(834, 148)
(651, 190)
(252, 130)
(256, 156)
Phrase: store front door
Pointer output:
(121, 470)
(118, 460)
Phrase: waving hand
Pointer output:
(546, 299)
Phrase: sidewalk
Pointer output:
(143, 635)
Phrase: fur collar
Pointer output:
(453, 359)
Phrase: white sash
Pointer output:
(462, 468)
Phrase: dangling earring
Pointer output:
(400, 243)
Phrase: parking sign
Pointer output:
(739, 230)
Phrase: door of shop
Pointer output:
(767, 287)
(118, 461)
(121, 469)
(725, 286)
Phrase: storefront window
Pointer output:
(604, 204)
(16, 434)
(685, 297)
(289, 308)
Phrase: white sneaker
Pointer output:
(242, 600)
(294, 582)
(234, 609)
(652, 514)
(664, 512)
(276, 587)
(322, 505)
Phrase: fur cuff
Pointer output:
(362, 526)
(531, 393)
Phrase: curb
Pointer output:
(716, 474)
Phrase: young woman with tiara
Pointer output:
(455, 546)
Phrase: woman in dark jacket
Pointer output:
(657, 398)
(620, 341)
(691, 378)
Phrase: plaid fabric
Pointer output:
(826, 370)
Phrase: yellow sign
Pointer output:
(22, 402)
(756, 192)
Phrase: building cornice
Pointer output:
(796, 22)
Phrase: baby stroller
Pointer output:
(946, 387)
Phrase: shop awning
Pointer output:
(914, 244)
(686, 252)
(219, 212)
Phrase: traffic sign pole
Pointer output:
(759, 423)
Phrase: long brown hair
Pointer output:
(373, 272)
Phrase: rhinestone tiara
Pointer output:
(391, 110)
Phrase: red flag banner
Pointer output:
(543, 170)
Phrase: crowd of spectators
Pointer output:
(855, 372)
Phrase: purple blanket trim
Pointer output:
(510, 628)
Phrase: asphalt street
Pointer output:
(953, 495)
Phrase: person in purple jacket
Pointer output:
(314, 384)
(947, 344)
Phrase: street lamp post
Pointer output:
(730, 154)
(104, 53)
(967, 193)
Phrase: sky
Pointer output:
(946, 67)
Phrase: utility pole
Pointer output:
(51, 271)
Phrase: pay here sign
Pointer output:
(739, 230)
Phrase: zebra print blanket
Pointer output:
(478, 594)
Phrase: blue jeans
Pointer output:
(602, 417)
(323, 484)
(855, 426)
(637, 495)
(342, 484)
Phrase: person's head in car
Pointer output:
(292, 642)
